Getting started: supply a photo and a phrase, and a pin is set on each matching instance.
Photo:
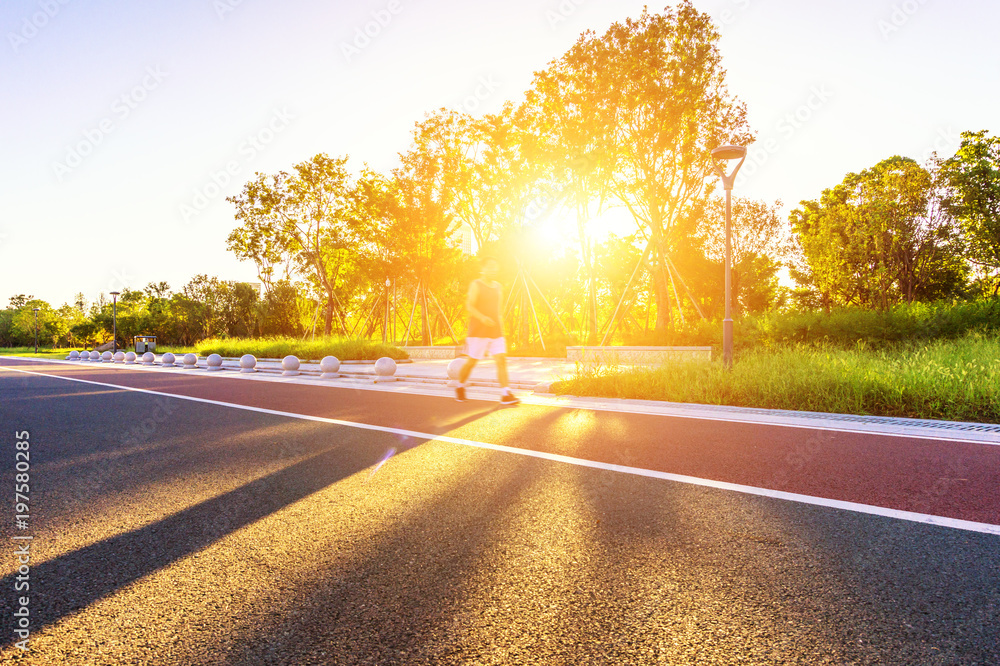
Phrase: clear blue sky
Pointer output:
(162, 94)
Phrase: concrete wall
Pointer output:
(628, 355)
(437, 351)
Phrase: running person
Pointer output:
(485, 330)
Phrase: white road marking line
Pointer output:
(940, 521)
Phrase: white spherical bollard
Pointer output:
(214, 362)
(119, 357)
(106, 357)
(190, 362)
(85, 355)
(148, 358)
(454, 367)
(329, 367)
(130, 358)
(248, 363)
(167, 360)
(74, 355)
(385, 370)
(95, 355)
(290, 366)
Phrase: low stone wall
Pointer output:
(628, 355)
(436, 351)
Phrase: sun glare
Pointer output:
(559, 233)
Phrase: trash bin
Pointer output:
(145, 343)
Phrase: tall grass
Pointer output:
(345, 349)
(945, 379)
(842, 327)
(847, 326)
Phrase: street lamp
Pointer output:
(385, 322)
(36, 330)
(114, 319)
(720, 154)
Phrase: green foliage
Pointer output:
(345, 349)
(973, 176)
(18, 322)
(847, 327)
(302, 219)
(634, 114)
(880, 237)
(947, 379)
(57, 353)
(280, 313)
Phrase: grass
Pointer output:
(345, 349)
(58, 352)
(956, 379)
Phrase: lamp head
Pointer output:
(727, 153)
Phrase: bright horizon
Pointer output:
(168, 99)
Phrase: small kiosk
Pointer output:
(145, 343)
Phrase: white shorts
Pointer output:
(478, 348)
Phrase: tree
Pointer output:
(302, 215)
(280, 310)
(481, 168)
(759, 240)
(973, 177)
(156, 290)
(425, 220)
(19, 301)
(880, 237)
(650, 102)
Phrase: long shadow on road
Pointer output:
(77, 579)
(400, 599)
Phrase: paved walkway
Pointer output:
(525, 373)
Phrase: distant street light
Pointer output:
(114, 318)
(36, 331)
(726, 153)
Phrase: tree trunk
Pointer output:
(328, 317)
(661, 287)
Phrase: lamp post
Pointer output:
(726, 153)
(385, 322)
(114, 319)
(36, 330)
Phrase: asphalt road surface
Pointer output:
(166, 530)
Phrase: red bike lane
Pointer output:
(951, 479)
